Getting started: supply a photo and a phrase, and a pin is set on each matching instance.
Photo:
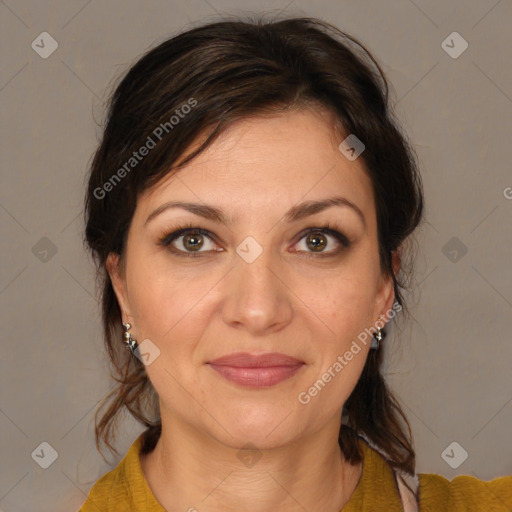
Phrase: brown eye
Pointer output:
(189, 241)
(193, 241)
(317, 241)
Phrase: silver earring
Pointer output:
(376, 339)
(127, 338)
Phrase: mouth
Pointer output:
(257, 371)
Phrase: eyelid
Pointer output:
(330, 230)
(169, 235)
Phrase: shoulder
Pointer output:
(110, 489)
(427, 492)
(464, 493)
(123, 488)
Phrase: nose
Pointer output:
(257, 297)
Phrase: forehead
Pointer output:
(267, 162)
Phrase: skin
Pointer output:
(197, 309)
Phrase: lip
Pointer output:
(260, 370)
(246, 360)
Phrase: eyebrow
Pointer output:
(295, 213)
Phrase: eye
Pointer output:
(317, 239)
(188, 241)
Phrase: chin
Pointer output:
(260, 428)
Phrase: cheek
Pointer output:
(168, 307)
(345, 311)
(350, 310)
(344, 304)
(343, 352)
(343, 301)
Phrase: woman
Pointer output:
(247, 209)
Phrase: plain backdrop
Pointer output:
(451, 366)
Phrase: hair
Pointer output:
(226, 71)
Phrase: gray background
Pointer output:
(450, 367)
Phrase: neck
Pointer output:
(189, 470)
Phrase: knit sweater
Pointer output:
(126, 489)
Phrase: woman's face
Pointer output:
(256, 282)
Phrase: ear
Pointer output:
(118, 279)
(386, 292)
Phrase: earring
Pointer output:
(376, 339)
(132, 344)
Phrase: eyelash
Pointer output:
(169, 235)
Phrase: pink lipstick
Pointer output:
(260, 370)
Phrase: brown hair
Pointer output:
(225, 71)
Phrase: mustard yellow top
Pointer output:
(126, 489)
